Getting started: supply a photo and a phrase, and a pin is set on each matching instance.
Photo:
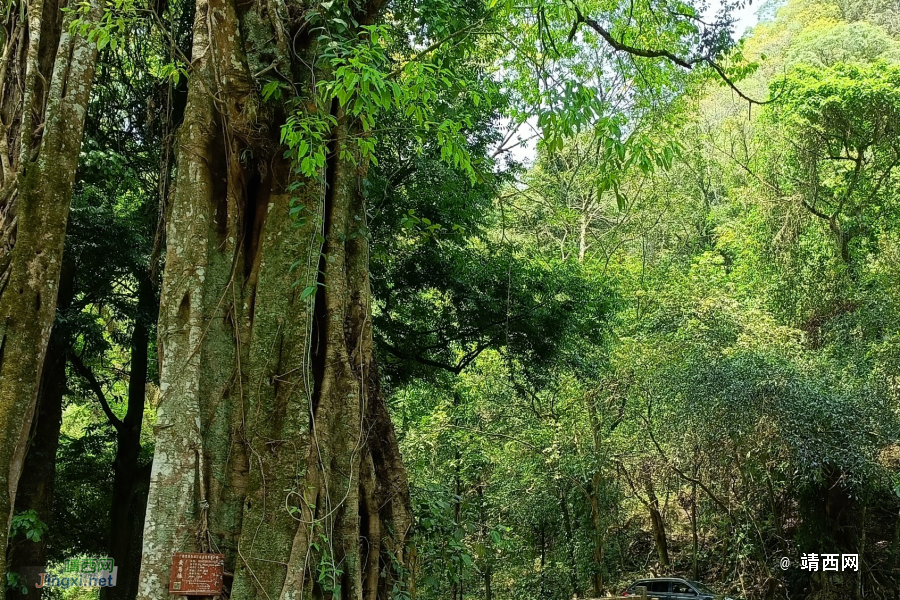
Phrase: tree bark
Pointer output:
(126, 467)
(47, 76)
(36, 489)
(274, 445)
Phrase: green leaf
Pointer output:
(271, 89)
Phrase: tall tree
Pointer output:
(46, 73)
(274, 445)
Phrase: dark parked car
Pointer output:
(673, 588)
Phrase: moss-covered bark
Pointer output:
(35, 491)
(47, 77)
(273, 442)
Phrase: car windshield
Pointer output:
(702, 587)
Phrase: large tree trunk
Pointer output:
(274, 445)
(36, 489)
(47, 73)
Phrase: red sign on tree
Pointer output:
(196, 574)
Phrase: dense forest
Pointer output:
(451, 300)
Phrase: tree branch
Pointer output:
(814, 211)
(95, 386)
(634, 491)
(457, 369)
(627, 48)
(419, 56)
(684, 475)
(686, 63)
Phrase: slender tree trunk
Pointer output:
(543, 548)
(570, 543)
(128, 448)
(47, 77)
(36, 488)
(862, 547)
(413, 569)
(138, 512)
(895, 557)
(457, 576)
(487, 569)
(659, 528)
(695, 572)
(597, 538)
(274, 445)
